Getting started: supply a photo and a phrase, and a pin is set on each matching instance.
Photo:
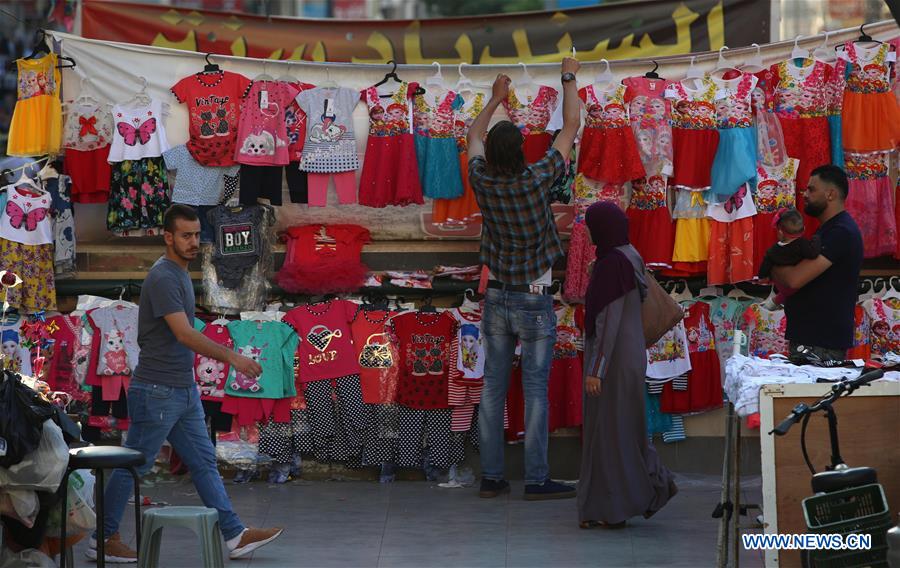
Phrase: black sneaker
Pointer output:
(548, 490)
(491, 488)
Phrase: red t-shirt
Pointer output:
(213, 101)
(60, 371)
(427, 344)
(326, 341)
(377, 376)
(210, 373)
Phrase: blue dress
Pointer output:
(436, 149)
(735, 160)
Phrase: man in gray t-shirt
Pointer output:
(163, 400)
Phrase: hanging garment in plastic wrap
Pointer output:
(253, 289)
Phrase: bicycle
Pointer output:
(847, 500)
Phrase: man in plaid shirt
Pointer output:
(519, 244)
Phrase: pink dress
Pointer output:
(532, 118)
(262, 131)
(390, 174)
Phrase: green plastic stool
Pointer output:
(203, 521)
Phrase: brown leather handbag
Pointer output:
(659, 312)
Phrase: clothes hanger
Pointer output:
(465, 84)
(210, 67)
(427, 307)
(723, 64)
(605, 77)
(710, 291)
(865, 292)
(685, 295)
(221, 320)
(525, 81)
(286, 76)
(329, 83)
(436, 80)
(737, 294)
(141, 97)
(798, 52)
(693, 71)
(864, 37)
(39, 48)
(891, 293)
(85, 96)
(264, 76)
(822, 53)
(653, 74)
(755, 63)
(392, 74)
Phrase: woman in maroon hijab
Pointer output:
(621, 475)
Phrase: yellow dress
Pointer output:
(36, 127)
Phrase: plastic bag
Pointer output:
(28, 558)
(80, 499)
(20, 505)
(42, 469)
(22, 411)
(240, 454)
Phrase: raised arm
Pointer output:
(475, 137)
(571, 108)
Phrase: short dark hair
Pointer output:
(791, 221)
(178, 211)
(503, 150)
(834, 175)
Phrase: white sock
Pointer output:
(233, 542)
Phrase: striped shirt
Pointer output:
(519, 240)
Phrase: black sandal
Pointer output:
(601, 525)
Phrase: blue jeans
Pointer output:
(158, 412)
(530, 319)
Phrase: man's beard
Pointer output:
(186, 254)
(814, 209)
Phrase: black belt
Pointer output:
(524, 288)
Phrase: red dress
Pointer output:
(390, 174)
(650, 227)
(695, 138)
(799, 95)
(774, 191)
(532, 119)
(608, 151)
(377, 375)
(704, 384)
(428, 348)
(323, 259)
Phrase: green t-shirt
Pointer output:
(272, 344)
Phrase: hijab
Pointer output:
(613, 274)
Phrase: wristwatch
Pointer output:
(566, 77)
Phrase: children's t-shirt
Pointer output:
(470, 354)
(428, 349)
(272, 345)
(376, 355)
(10, 343)
(238, 241)
(765, 331)
(669, 356)
(210, 373)
(330, 146)
(326, 339)
(213, 101)
(140, 132)
(118, 339)
(196, 184)
(295, 124)
(262, 133)
(26, 216)
(65, 332)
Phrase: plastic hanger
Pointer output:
(210, 67)
(737, 294)
(865, 292)
(755, 63)
(891, 293)
(85, 96)
(25, 180)
(710, 291)
(392, 74)
(436, 80)
(464, 83)
(329, 83)
(693, 71)
(40, 49)
(822, 53)
(864, 37)
(141, 97)
(221, 320)
(427, 307)
(653, 74)
(798, 52)
(723, 64)
(605, 77)
(264, 76)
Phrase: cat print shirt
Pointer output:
(214, 108)
(262, 138)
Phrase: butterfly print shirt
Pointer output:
(738, 206)
(26, 216)
(214, 108)
(139, 132)
(326, 348)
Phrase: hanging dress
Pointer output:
(871, 131)
(36, 126)
(800, 104)
(650, 227)
(462, 208)
(389, 175)
(87, 134)
(608, 151)
(834, 101)
(532, 118)
(436, 151)
(735, 160)
(694, 134)
(139, 186)
(774, 191)
(704, 381)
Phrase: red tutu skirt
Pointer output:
(653, 235)
(390, 174)
(610, 155)
(535, 146)
(809, 140)
(693, 155)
